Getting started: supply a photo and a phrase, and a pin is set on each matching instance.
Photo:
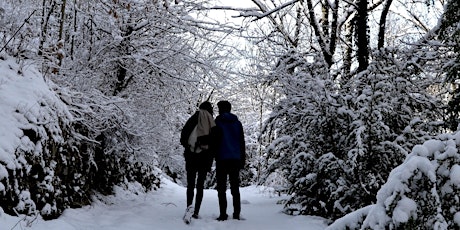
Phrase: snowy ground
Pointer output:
(164, 208)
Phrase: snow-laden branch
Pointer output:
(267, 12)
(253, 12)
(278, 26)
(231, 8)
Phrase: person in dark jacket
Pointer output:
(230, 158)
(195, 138)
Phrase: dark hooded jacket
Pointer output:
(230, 143)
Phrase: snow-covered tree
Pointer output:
(337, 145)
(50, 157)
(422, 192)
(348, 112)
(449, 34)
(152, 62)
(129, 73)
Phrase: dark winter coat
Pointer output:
(203, 159)
(188, 128)
(230, 145)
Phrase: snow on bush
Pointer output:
(337, 143)
(31, 137)
(52, 155)
(423, 192)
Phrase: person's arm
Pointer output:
(216, 137)
(188, 128)
(242, 147)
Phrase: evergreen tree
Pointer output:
(338, 145)
(450, 35)
(422, 192)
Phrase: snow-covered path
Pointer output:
(163, 209)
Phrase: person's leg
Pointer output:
(199, 191)
(221, 177)
(191, 176)
(234, 176)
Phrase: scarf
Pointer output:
(203, 128)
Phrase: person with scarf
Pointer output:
(195, 137)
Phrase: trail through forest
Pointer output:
(164, 208)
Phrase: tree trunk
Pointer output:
(347, 59)
(44, 26)
(362, 40)
(334, 25)
(319, 35)
(122, 72)
(325, 17)
(383, 19)
(72, 44)
(61, 34)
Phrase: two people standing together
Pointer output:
(206, 139)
